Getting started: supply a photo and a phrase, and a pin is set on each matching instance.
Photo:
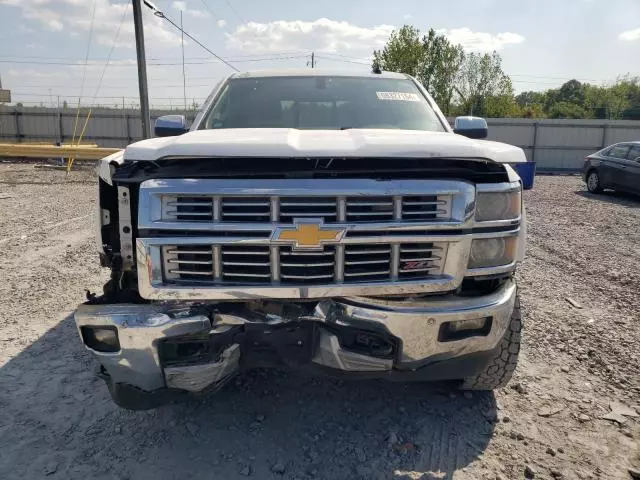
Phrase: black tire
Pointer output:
(499, 370)
(593, 182)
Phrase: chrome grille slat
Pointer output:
(363, 274)
(308, 214)
(247, 204)
(194, 262)
(305, 277)
(307, 204)
(246, 264)
(365, 262)
(250, 275)
(299, 265)
(249, 252)
(369, 251)
(308, 253)
(190, 214)
(208, 203)
(432, 212)
(245, 214)
(414, 270)
(420, 259)
(190, 272)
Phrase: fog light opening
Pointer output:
(461, 329)
(101, 339)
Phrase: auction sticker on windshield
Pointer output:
(401, 96)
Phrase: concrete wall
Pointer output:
(553, 144)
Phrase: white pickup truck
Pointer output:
(331, 222)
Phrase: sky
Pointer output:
(543, 43)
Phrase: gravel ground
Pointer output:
(579, 289)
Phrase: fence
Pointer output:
(553, 144)
(107, 127)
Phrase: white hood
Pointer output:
(262, 142)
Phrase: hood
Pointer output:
(289, 143)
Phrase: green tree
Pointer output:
(441, 65)
(402, 53)
(432, 59)
(481, 78)
(567, 110)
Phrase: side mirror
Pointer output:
(170, 126)
(471, 127)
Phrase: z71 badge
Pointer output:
(415, 265)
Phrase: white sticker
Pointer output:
(399, 96)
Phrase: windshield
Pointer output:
(322, 103)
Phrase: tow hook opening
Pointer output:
(463, 329)
(367, 343)
(101, 339)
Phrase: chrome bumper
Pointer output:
(415, 325)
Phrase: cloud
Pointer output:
(32, 74)
(73, 17)
(481, 41)
(320, 35)
(407, 16)
(182, 6)
(630, 35)
(221, 23)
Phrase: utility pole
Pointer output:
(142, 69)
(184, 77)
(313, 59)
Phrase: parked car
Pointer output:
(329, 222)
(616, 167)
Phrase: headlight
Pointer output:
(498, 206)
(492, 252)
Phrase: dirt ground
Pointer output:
(580, 290)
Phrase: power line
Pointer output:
(253, 55)
(113, 46)
(161, 14)
(341, 60)
(206, 5)
(234, 11)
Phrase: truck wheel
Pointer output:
(498, 371)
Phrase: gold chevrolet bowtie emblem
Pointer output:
(307, 235)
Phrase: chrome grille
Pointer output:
(189, 208)
(256, 264)
(250, 264)
(367, 262)
(287, 209)
(425, 207)
(223, 238)
(192, 262)
(245, 209)
(303, 267)
(369, 209)
(417, 260)
(325, 208)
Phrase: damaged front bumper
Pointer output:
(193, 348)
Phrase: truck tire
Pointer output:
(498, 371)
